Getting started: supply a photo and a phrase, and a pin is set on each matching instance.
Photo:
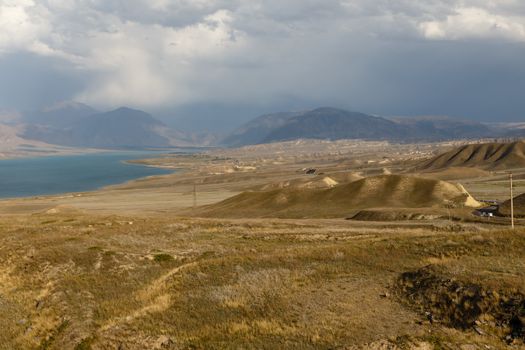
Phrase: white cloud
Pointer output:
(153, 64)
(22, 25)
(476, 23)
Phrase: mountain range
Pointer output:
(78, 125)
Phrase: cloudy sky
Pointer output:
(227, 60)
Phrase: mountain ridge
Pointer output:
(488, 156)
(335, 124)
(123, 127)
(78, 125)
(59, 115)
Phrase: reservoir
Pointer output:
(27, 177)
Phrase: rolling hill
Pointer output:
(392, 191)
(489, 156)
(336, 124)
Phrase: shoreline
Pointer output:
(11, 154)
(51, 151)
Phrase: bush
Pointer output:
(162, 257)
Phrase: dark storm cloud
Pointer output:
(29, 81)
(404, 57)
(482, 80)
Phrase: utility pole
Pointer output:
(511, 201)
(194, 196)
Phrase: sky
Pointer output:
(213, 64)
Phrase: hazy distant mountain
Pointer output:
(257, 130)
(444, 128)
(335, 124)
(76, 124)
(321, 123)
(513, 130)
(9, 140)
(60, 115)
(121, 128)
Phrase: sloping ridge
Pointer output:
(255, 131)
(519, 207)
(494, 156)
(59, 115)
(302, 183)
(385, 191)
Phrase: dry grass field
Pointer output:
(118, 282)
(134, 267)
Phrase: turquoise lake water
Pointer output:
(27, 177)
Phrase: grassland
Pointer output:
(105, 282)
